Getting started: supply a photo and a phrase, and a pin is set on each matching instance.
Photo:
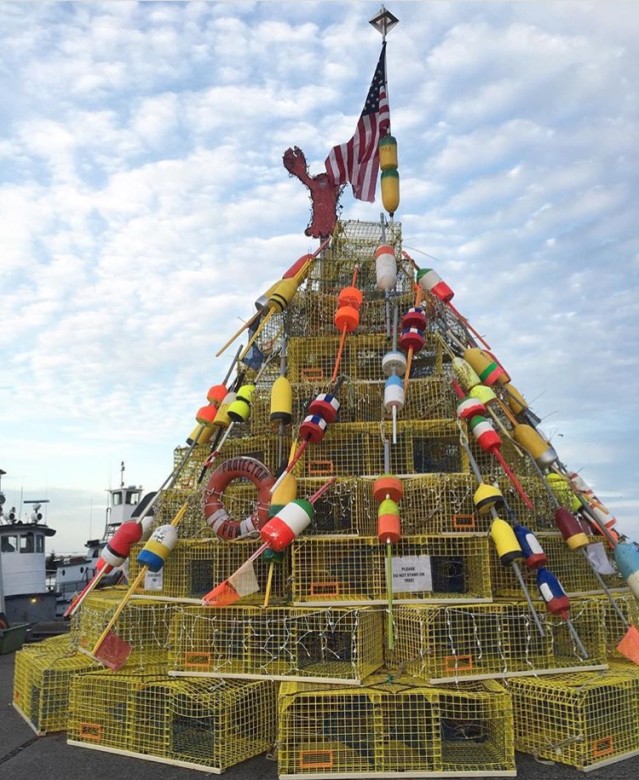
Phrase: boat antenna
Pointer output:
(384, 22)
(121, 473)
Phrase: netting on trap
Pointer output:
(431, 504)
(394, 726)
(195, 566)
(439, 643)
(583, 720)
(571, 569)
(169, 503)
(357, 449)
(312, 313)
(359, 402)
(614, 627)
(350, 570)
(325, 645)
(212, 724)
(41, 684)
(144, 625)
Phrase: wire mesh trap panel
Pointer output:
(439, 643)
(395, 729)
(327, 645)
(195, 566)
(42, 678)
(208, 724)
(571, 569)
(143, 624)
(332, 570)
(584, 720)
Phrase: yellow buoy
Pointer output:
(487, 497)
(528, 438)
(387, 153)
(508, 548)
(390, 190)
(482, 393)
(281, 401)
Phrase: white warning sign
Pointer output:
(153, 580)
(412, 573)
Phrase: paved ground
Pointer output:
(24, 756)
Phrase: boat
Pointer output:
(69, 574)
(24, 595)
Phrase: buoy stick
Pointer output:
(133, 587)
(390, 634)
(342, 341)
(467, 324)
(269, 584)
(320, 492)
(494, 515)
(258, 330)
(291, 464)
(513, 479)
(409, 356)
(575, 637)
(246, 325)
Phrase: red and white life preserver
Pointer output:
(217, 517)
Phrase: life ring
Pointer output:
(216, 515)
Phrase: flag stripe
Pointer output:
(357, 160)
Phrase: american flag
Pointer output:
(357, 161)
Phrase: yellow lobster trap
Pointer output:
(442, 643)
(583, 720)
(42, 678)
(328, 645)
(394, 728)
(209, 725)
(336, 571)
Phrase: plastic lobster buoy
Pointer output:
(287, 524)
(281, 401)
(390, 190)
(415, 317)
(528, 438)
(313, 428)
(430, 281)
(570, 529)
(508, 548)
(385, 267)
(240, 409)
(119, 545)
(325, 405)
(486, 366)
(487, 497)
(486, 436)
(388, 486)
(387, 152)
(388, 522)
(469, 408)
(466, 375)
(394, 395)
(394, 362)
(534, 555)
(158, 548)
(412, 338)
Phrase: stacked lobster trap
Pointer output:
(387, 625)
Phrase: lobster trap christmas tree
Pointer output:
(367, 557)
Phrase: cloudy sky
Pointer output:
(144, 206)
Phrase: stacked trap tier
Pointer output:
(395, 728)
(210, 724)
(328, 645)
(584, 720)
(424, 678)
